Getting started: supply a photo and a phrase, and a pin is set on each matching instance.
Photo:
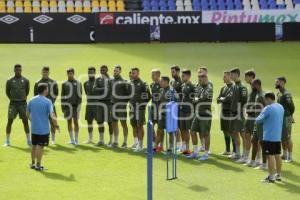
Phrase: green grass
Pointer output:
(88, 172)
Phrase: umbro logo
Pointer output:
(9, 19)
(76, 19)
(43, 19)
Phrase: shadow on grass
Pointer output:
(88, 148)
(289, 187)
(182, 158)
(57, 176)
(198, 188)
(26, 149)
(195, 188)
(295, 163)
(291, 176)
(59, 147)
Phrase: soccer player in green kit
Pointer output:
(225, 99)
(52, 95)
(17, 90)
(71, 98)
(119, 99)
(239, 99)
(141, 96)
(155, 92)
(202, 120)
(256, 130)
(105, 100)
(285, 98)
(91, 112)
(186, 109)
(176, 84)
(250, 120)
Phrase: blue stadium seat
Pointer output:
(221, 7)
(239, 7)
(281, 6)
(230, 7)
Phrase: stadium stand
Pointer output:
(64, 6)
(88, 6)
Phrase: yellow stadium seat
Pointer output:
(19, 4)
(120, 9)
(78, 9)
(27, 4)
(111, 4)
(36, 10)
(10, 10)
(53, 3)
(2, 4)
(44, 3)
(95, 3)
(112, 9)
(2, 9)
(70, 9)
(103, 3)
(87, 10)
(120, 3)
(27, 9)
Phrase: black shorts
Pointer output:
(41, 140)
(271, 148)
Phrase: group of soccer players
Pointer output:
(108, 99)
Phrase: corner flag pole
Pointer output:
(149, 155)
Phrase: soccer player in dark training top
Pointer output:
(17, 90)
(52, 94)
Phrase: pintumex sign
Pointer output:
(260, 16)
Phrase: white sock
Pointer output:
(178, 145)
(71, 136)
(28, 137)
(195, 149)
(183, 147)
(76, 136)
(285, 153)
(140, 143)
(136, 140)
(246, 156)
(290, 155)
(90, 136)
(7, 137)
(101, 137)
(111, 138)
(206, 153)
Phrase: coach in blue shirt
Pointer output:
(38, 111)
(272, 119)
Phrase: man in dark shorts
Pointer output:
(103, 89)
(17, 90)
(165, 96)
(186, 112)
(272, 120)
(225, 99)
(91, 112)
(176, 85)
(52, 94)
(38, 111)
(119, 99)
(250, 120)
(71, 98)
(141, 95)
(204, 70)
(239, 99)
(202, 120)
(285, 98)
(155, 92)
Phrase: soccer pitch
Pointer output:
(89, 172)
